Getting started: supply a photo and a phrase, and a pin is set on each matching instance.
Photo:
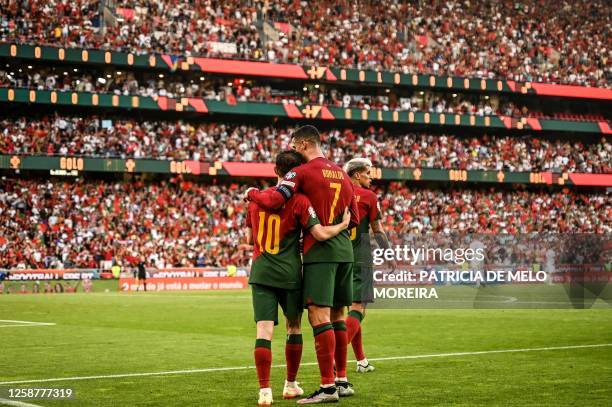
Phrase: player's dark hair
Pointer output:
(286, 161)
(307, 133)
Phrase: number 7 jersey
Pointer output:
(330, 191)
(276, 234)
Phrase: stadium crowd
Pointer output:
(246, 90)
(93, 223)
(99, 137)
(527, 40)
(241, 90)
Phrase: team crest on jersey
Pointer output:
(290, 175)
(312, 212)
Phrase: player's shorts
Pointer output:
(363, 283)
(328, 284)
(266, 300)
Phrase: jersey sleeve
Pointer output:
(354, 210)
(374, 212)
(306, 213)
(275, 198)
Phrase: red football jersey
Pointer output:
(276, 236)
(367, 202)
(330, 192)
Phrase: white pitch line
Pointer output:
(14, 323)
(226, 369)
(16, 403)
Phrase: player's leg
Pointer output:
(362, 288)
(291, 303)
(343, 296)
(265, 307)
(353, 323)
(318, 297)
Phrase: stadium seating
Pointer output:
(105, 137)
(513, 40)
(92, 223)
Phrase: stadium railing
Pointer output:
(324, 74)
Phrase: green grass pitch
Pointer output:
(112, 333)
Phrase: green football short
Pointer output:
(266, 300)
(328, 284)
(363, 288)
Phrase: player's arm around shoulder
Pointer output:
(322, 233)
(310, 221)
(273, 199)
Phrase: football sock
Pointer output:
(263, 361)
(325, 345)
(293, 355)
(353, 325)
(341, 346)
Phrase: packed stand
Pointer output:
(413, 210)
(95, 224)
(103, 137)
(51, 224)
(510, 39)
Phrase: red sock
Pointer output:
(325, 345)
(293, 355)
(353, 325)
(341, 346)
(263, 361)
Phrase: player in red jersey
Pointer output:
(276, 275)
(369, 215)
(327, 265)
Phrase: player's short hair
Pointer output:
(358, 164)
(287, 160)
(307, 133)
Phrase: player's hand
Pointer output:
(346, 218)
(246, 194)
